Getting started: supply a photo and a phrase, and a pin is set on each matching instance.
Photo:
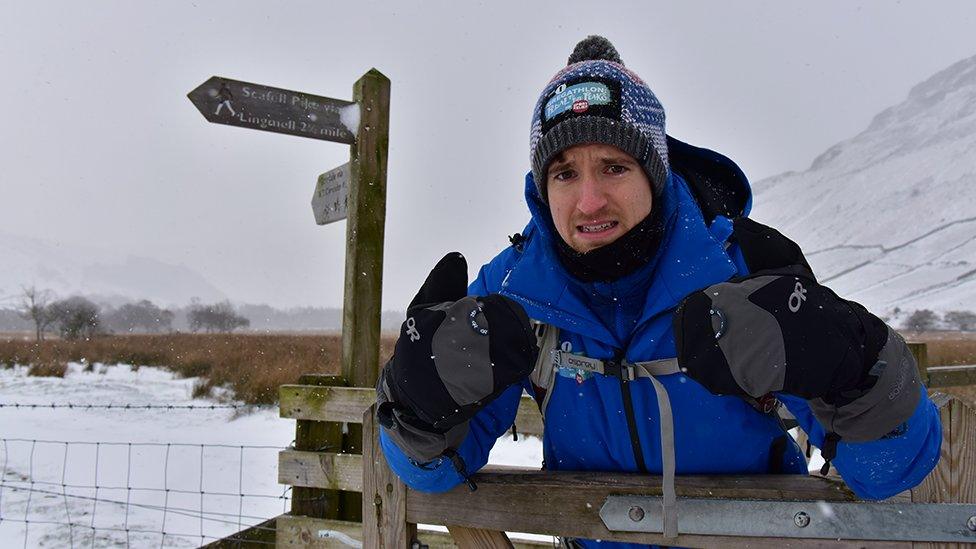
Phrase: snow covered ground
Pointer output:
(150, 451)
(149, 465)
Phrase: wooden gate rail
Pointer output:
(555, 503)
(514, 499)
(568, 503)
(316, 404)
(561, 503)
(321, 470)
(304, 532)
(347, 404)
(950, 376)
(309, 402)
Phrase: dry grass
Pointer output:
(950, 349)
(47, 369)
(253, 366)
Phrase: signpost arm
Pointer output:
(364, 232)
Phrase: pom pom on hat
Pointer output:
(593, 48)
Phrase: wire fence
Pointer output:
(80, 493)
(130, 406)
(126, 457)
(208, 516)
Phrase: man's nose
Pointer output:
(592, 199)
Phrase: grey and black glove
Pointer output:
(778, 330)
(456, 353)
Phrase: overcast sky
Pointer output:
(99, 144)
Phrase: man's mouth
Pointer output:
(596, 227)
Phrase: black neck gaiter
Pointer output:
(618, 258)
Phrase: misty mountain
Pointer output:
(888, 217)
(104, 275)
(112, 279)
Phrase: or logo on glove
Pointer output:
(857, 374)
(779, 330)
(797, 298)
(737, 338)
(473, 349)
(412, 329)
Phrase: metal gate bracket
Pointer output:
(945, 522)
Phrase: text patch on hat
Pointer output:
(587, 96)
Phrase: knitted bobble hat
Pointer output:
(595, 99)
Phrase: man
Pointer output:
(225, 96)
(670, 326)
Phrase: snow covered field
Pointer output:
(150, 466)
(64, 465)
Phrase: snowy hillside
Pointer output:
(888, 218)
(97, 272)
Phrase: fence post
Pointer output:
(384, 495)
(366, 219)
(317, 436)
(920, 350)
(954, 478)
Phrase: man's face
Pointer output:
(596, 194)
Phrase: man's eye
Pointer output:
(563, 175)
(616, 169)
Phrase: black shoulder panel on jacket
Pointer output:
(518, 241)
(765, 248)
(719, 186)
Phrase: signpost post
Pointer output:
(357, 192)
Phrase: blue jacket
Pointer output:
(586, 424)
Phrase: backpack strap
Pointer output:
(628, 371)
(544, 373)
(551, 358)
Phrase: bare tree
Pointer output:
(964, 320)
(76, 317)
(165, 321)
(34, 307)
(922, 320)
(142, 316)
(216, 317)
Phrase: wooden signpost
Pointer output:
(330, 201)
(362, 123)
(355, 191)
(246, 105)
